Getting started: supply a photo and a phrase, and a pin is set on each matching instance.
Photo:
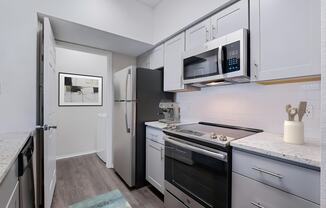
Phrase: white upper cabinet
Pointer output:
(157, 57)
(173, 63)
(143, 61)
(222, 23)
(198, 35)
(285, 39)
(230, 19)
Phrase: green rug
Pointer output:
(113, 199)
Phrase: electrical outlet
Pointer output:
(309, 111)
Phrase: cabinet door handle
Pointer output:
(162, 155)
(257, 205)
(213, 31)
(268, 172)
(207, 34)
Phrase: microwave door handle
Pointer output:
(215, 155)
(220, 54)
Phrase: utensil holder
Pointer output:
(293, 132)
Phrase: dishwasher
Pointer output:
(25, 174)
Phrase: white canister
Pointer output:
(293, 132)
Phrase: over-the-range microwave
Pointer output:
(221, 61)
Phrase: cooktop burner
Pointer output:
(209, 132)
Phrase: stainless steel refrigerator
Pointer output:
(137, 94)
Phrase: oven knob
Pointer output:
(213, 136)
(223, 138)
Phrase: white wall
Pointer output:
(77, 126)
(323, 100)
(172, 16)
(251, 105)
(17, 66)
(18, 22)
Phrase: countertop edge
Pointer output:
(282, 156)
(14, 158)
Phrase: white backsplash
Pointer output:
(252, 105)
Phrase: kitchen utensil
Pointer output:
(287, 109)
(293, 112)
(302, 109)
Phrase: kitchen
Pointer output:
(223, 73)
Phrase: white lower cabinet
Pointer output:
(155, 158)
(248, 193)
(14, 198)
(261, 182)
(9, 189)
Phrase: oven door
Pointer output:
(199, 172)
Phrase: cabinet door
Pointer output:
(157, 57)
(198, 35)
(173, 63)
(230, 19)
(285, 38)
(155, 164)
(143, 61)
(14, 198)
(248, 193)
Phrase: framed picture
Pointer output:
(80, 90)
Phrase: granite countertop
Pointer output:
(156, 124)
(161, 125)
(10, 146)
(272, 145)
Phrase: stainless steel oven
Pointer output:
(195, 175)
(223, 60)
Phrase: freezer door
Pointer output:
(125, 84)
(124, 145)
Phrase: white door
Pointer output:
(285, 39)
(49, 112)
(173, 63)
(198, 35)
(231, 19)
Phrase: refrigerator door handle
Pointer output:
(126, 103)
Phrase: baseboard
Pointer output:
(75, 155)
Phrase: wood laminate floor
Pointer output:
(86, 176)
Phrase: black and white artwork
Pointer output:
(80, 90)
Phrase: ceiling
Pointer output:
(150, 3)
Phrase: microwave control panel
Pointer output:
(231, 57)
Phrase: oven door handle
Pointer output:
(215, 155)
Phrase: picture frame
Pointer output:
(79, 90)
